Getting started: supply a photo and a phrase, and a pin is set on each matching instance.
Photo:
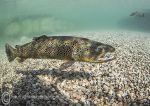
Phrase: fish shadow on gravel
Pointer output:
(31, 91)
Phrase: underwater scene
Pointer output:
(75, 52)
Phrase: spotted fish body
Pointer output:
(60, 47)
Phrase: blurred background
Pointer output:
(20, 20)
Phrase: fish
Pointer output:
(137, 14)
(68, 48)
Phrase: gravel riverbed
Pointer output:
(124, 81)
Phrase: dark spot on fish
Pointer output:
(17, 46)
(51, 50)
(64, 51)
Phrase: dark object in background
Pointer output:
(137, 14)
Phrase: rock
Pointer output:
(78, 104)
(52, 89)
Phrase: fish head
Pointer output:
(104, 53)
(98, 53)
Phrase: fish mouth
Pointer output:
(106, 57)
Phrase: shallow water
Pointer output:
(21, 19)
(126, 76)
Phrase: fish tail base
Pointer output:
(10, 51)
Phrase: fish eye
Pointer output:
(17, 46)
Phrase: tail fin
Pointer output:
(11, 52)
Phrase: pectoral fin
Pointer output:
(66, 64)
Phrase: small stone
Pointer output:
(78, 104)
(61, 100)
(55, 93)
(106, 88)
(82, 99)
(114, 104)
(30, 75)
(52, 89)
(67, 95)
(76, 101)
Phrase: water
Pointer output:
(21, 19)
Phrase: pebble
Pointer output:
(78, 104)
(52, 89)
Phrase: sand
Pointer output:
(124, 81)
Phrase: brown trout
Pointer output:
(61, 47)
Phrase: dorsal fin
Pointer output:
(40, 38)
